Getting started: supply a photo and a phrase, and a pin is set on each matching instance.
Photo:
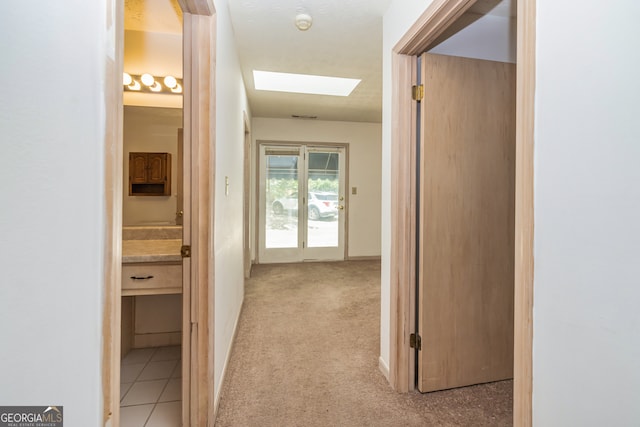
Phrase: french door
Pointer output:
(302, 203)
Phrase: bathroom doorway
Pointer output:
(198, 43)
(153, 386)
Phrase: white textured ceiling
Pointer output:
(345, 40)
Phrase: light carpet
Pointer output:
(306, 354)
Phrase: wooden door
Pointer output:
(157, 167)
(138, 168)
(466, 222)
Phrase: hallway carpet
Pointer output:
(306, 354)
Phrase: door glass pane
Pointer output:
(322, 202)
(281, 192)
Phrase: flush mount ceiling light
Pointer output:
(303, 83)
(303, 21)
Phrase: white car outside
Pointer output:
(321, 204)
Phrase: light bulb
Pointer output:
(177, 89)
(170, 82)
(156, 87)
(134, 85)
(126, 79)
(147, 79)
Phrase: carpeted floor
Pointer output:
(306, 354)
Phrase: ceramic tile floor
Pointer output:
(150, 388)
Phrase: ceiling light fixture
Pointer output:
(303, 83)
(151, 84)
(303, 21)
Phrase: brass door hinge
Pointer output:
(415, 341)
(185, 251)
(417, 92)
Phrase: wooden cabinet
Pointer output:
(151, 305)
(149, 174)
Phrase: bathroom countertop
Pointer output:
(166, 250)
(147, 232)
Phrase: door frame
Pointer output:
(199, 34)
(257, 224)
(246, 208)
(436, 19)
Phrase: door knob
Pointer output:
(341, 198)
(341, 207)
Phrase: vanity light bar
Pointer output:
(147, 83)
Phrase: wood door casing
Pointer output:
(466, 273)
(246, 204)
(180, 179)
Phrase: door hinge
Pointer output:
(415, 341)
(185, 251)
(417, 92)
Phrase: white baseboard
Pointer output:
(365, 258)
(384, 368)
(218, 389)
(160, 339)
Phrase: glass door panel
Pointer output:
(280, 195)
(281, 208)
(325, 203)
(323, 183)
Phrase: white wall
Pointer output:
(364, 141)
(587, 207)
(150, 129)
(231, 101)
(52, 221)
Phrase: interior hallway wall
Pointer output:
(364, 140)
(231, 103)
(52, 221)
(586, 332)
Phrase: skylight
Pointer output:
(303, 83)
